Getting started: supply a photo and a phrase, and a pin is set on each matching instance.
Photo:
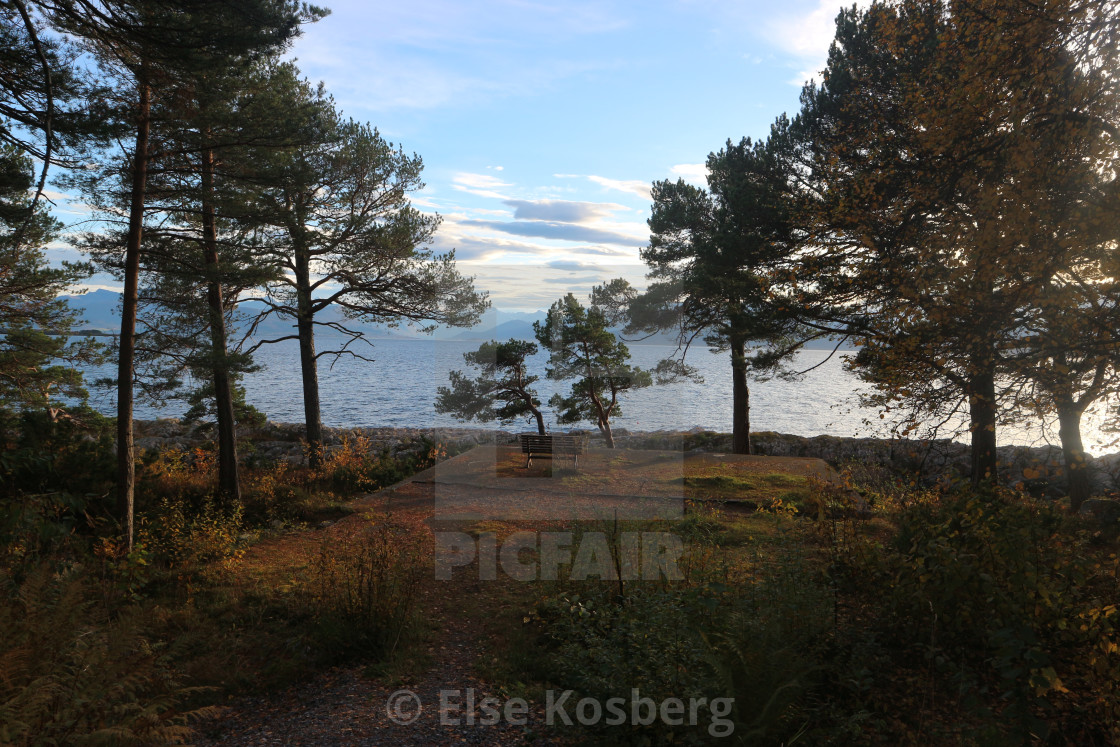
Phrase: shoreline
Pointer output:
(1038, 469)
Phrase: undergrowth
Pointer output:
(976, 618)
(102, 645)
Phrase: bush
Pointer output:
(1006, 600)
(186, 477)
(758, 643)
(769, 650)
(41, 454)
(55, 481)
(354, 467)
(180, 535)
(363, 593)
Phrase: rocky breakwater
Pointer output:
(285, 441)
(1038, 469)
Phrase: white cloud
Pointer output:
(554, 230)
(807, 35)
(633, 186)
(572, 265)
(479, 181)
(434, 53)
(565, 211)
(695, 173)
(486, 211)
(482, 185)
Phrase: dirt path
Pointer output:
(343, 706)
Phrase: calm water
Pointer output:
(399, 387)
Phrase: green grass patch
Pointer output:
(740, 486)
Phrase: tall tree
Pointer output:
(927, 139)
(503, 378)
(34, 322)
(583, 348)
(713, 254)
(202, 255)
(153, 47)
(345, 236)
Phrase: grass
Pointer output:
(726, 485)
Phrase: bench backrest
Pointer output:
(548, 443)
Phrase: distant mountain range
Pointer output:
(101, 313)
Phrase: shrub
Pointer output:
(185, 477)
(41, 454)
(180, 535)
(770, 647)
(603, 647)
(55, 479)
(363, 592)
(999, 594)
(354, 466)
(276, 492)
(758, 643)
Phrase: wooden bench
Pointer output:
(545, 447)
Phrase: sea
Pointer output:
(397, 385)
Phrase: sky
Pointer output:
(542, 124)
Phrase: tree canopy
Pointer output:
(713, 256)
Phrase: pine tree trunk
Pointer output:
(306, 329)
(605, 429)
(126, 467)
(740, 399)
(228, 482)
(1073, 454)
(540, 421)
(982, 413)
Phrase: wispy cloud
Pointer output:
(571, 265)
(564, 211)
(553, 230)
(639, 188)
(632, 186)
(427, 54)
(482, 185)
(479, 181)
(524, 286)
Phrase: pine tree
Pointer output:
(344, 235)
(503, 378)
(34, 322)
(153, 48)
(583, 348)
(939, 145)
(713, 255)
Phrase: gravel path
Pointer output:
(344, 707)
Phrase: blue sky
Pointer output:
(542, 125)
